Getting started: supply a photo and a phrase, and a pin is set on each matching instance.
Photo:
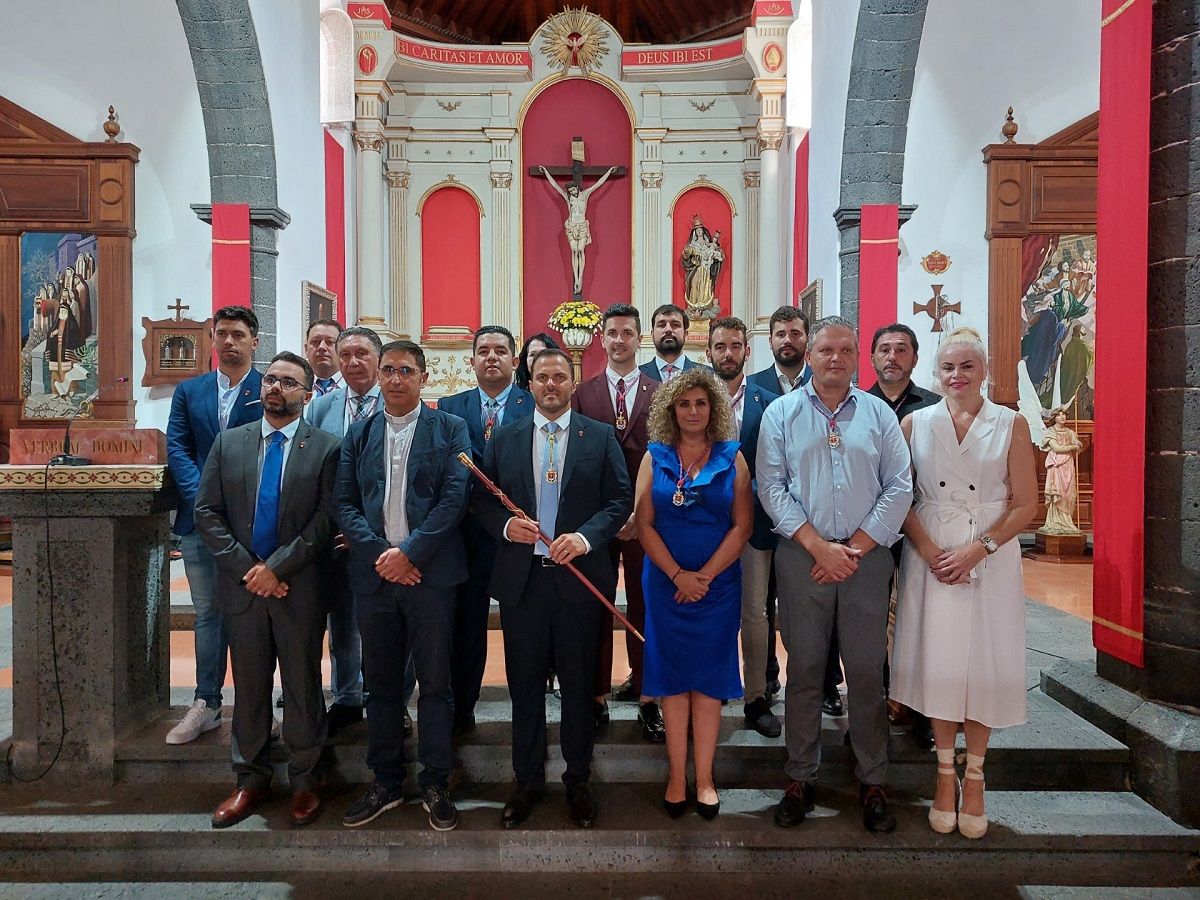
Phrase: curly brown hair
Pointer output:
(661, 424)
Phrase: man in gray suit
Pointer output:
(334, 412)
(264, 510)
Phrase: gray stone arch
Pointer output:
(887, 39)
(241, 141)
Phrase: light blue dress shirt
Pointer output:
(501, 399)
(865, 482)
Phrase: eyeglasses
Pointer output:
(389, 372)
(286, 382)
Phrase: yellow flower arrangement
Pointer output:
(575, 314)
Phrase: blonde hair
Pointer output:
(661, 424)
(964, 336)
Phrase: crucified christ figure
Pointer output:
(579, 232)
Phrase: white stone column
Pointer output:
(372, 308)
(751, 313)
(504, 308)
(772, 236)
(405, 318)
(651, 259)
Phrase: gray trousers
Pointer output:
(756, 580)
(807, 612)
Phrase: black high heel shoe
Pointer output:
(675, 808)
(708, 811)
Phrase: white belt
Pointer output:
(957, 506)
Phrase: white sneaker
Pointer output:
(197, 720)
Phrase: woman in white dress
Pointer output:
(959, 652)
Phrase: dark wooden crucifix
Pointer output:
(578, 230)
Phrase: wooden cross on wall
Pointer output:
(178, 308)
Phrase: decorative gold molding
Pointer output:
(501, 180)
(369, 140)
(574, 37)
(652, 180)
(83, 478)
(770, 140)
(449, 105)
(596, 77)
(397, 179)
(751, 179)
(450, 181)
(703, 181)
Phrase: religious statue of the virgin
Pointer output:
(701, 260)
(1061, 444)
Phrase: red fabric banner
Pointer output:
(335, 223)
(878, 278)
(800, 224)
(1122, 205)
(230, 255)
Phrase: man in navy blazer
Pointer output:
(495, 401)
(789, 340)
(568, 473)
(202, 408)
(400, 497)
(668, 330)
(729, 350)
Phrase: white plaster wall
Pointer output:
(977, 58)
(834, 24)
(136, 59)
(289, 40)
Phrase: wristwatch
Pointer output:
(988, 544)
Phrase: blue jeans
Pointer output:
(345, 649)
(212, 645)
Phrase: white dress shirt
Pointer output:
(786, 384)
(348, 404)
(227, 396)
(289, 432)
(631, 382)
(400, 430)
(737, 400)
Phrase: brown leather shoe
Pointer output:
(306, 806)
(239, 805)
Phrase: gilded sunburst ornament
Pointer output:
(574, 37)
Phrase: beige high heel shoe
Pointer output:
(940, 820)
(973, 826)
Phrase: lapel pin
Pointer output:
(302, 445)
(581, 432)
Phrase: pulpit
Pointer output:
(91, 609)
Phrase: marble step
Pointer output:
(1054, 749)
(156, 833)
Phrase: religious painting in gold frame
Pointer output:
(316, 303)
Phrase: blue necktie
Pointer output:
(324, 386)
(548, 498)
(266, 514)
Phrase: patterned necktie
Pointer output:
(265, 538)
(360, 404)
(548, 496)
(622, 409)
(669, 371)
(489, 417)
(324, 386)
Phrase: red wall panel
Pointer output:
(569, 108)
(450, 278)
(713, 208)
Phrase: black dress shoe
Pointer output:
(761, 719)
(675, 808)
(773, 688)
(625, 692)
(798, 801)
(343, 715)
(519, 806)
(581, 805)
(876, 815)
(832, 704)
(708, 811)
(650, 717)
(922, 731)
(600, 711)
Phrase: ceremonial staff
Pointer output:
(466, 460)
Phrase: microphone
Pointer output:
(66, 458)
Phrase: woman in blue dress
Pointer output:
(694, 514)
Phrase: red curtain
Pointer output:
(878, 274)
(335, 223)
(230, 255)
(800, 229)
(1035, 250)
(1122, 202)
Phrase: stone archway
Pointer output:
(886, 42)
(241, 141)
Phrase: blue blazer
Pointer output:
(467, 407)
(650, 369)
(328, 412)
(192, 428)
(768, 380)
(435, 502)
(754, 404)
